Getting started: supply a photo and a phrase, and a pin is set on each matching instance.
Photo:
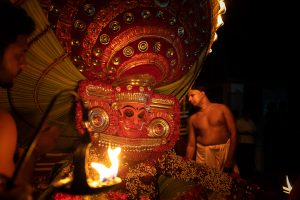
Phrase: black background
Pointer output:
(250, 45)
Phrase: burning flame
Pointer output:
(222, 10)
(287, 189)
(107, 175)
(220, 22)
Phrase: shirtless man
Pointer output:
(212, 131)
(17, 26)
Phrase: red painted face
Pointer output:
(132, 119)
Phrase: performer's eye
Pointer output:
(141, 115)
(128, 113)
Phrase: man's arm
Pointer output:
(45, 143)
(191, 144)
(8, 143)
(231, 126)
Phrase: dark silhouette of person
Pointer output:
(245, 154)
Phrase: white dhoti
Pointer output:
(213, 155)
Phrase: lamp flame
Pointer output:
(287, 189)
(107, 175)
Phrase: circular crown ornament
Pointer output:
(118, 39)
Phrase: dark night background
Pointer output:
(249, 52)
(250, 45)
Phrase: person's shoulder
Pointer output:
(220, 105)
(192, 117)
(8, 129)
(7, 121)
(5, 115)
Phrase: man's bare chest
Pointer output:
(204, 120)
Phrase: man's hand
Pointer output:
(47, 139)
(18, 192)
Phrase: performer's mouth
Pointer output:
(133, 128)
